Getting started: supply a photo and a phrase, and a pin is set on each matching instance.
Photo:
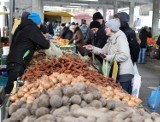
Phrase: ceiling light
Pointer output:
(90, 0)
(80, 4)
(73, 6)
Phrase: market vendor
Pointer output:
(117, 46)
(28, 39)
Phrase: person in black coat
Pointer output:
(101, 37)
(130, 34)
(24, 17)
(143, 35)
(28, 39)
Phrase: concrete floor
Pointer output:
(150, 73)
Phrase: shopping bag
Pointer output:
(106, 66)
(114, 70)
(136, 82)
(154, 100)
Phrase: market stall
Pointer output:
(64, 87)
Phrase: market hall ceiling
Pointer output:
(95, 3)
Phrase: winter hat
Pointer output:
(25, 15)
(94, 24)
(123, 16)
(97, 15)
(35, 18)
(113, 24)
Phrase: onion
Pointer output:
(46, 85)
(109, 88)
(13, 98)
(23, 99)
(30, 97)
(20, 93)
(26, 95)
(30, 101)
(54, 80)
(25, 89)
(131, 104)
(137, 100)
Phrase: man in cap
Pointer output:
(28, 39)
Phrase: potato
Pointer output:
(56, 91)
(75, 99)
(157, 119)
(148, 120)
(123, 116)
(10, 120)
(154, 115)
(56, 101)
(43, 101)
(127, 120)
(68, 91)
(79, 87)
(22, 113)
(137, 118)
(83, 104)
(74, 107)
(111, 104)
(45, 118)
(88, 97)
(61, 112)
(65, 100)
(103, 101)
(20, 103)
(29, 119)
(96, 104)
(42, 111)
(13, 108)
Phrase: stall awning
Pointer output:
(2, 13)
(63, 14)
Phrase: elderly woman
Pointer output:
(77, 38)
(117, 46)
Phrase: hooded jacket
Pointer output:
(143, 35)
(28, 39)
(117, 46)
(131, 36)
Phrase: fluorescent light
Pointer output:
(73, 6)
(90, 0)
(80, 4)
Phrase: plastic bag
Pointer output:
(136, 82)
(154, 100)
(54, 51)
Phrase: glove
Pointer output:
(102, 55)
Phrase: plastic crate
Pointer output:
(3, 81)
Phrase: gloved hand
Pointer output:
(102, 55)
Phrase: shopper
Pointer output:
(101, 35)
(143, 35)
(28, 39)
(117, 46)
(24, 16)
(77, 38)
(123, 17)
(84, 29)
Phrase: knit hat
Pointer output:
(123, 16)
(35, 18)
(25, 15)
(113, 24)
(97, 15)
(94, 24)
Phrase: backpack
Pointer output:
(133, 44)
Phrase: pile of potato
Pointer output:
(31, 90)
(77, 103)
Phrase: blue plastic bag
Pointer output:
(154, 100)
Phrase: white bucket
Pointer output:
(5, 50)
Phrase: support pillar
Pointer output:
(104, 13)
(115, 6)
(131, 13)
(155, 17)
(37, 6)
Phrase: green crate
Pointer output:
(3, 81)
